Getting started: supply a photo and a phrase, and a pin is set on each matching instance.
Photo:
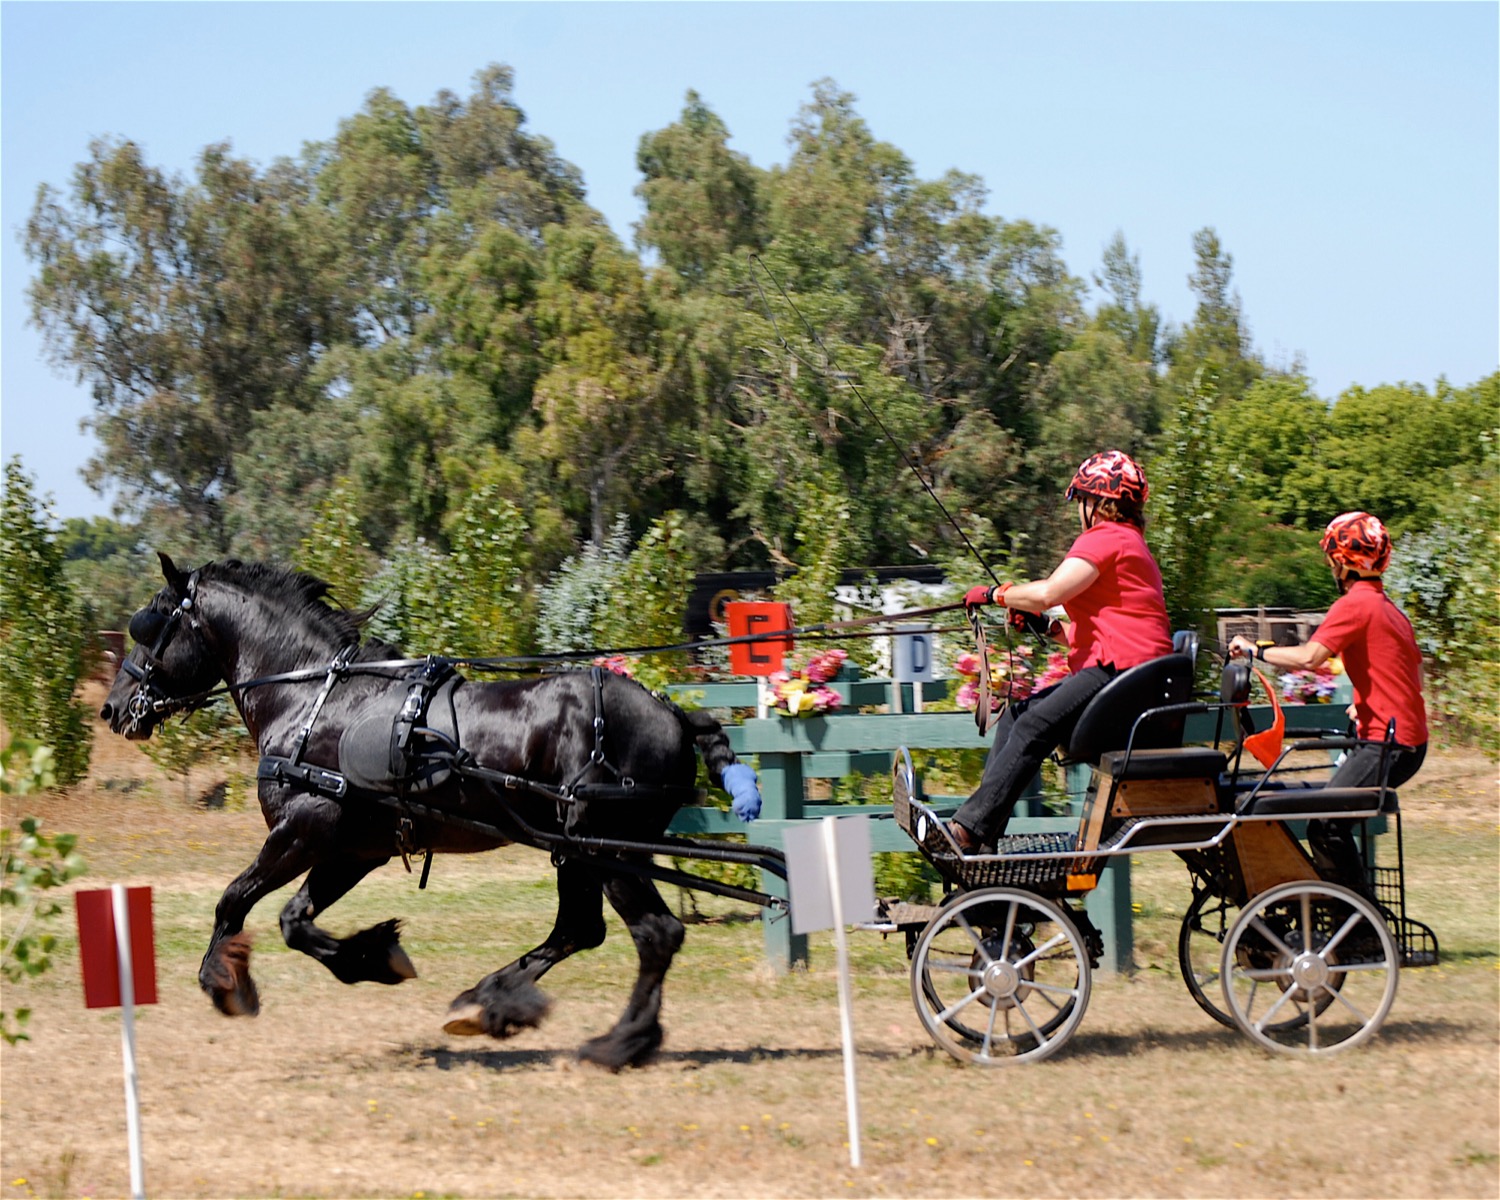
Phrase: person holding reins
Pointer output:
(1374, 639)
(1110, 587)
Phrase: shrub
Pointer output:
(45, 643)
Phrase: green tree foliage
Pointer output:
(34, 864)
(186, 308)
(46, 645)
(107, 567)
(645, 605)
(415, 345)
(336, 549)
(1217, 340)
(571, 604)
(1187, 505)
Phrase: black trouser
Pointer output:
(1026, 733)
(1332, 842)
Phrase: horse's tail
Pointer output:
(724, 769)
(712, 741)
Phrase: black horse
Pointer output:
(550, 760)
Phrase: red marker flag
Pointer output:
(98, 950)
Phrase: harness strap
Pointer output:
(335, 673)
(318, 779)
(413, 712)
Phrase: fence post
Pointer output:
(782, 799)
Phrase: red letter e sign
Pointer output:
(759, 619)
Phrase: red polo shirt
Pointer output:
(1120, 618)
(1379, 650)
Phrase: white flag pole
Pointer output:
(127, 1026)
(846, 1015)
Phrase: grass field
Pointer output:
(338, 1091)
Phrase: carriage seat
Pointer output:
(1107, 722)
(1293, 803)
(1192, 762)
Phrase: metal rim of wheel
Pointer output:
(1200, 949)
(1325, 952)
(1000, 976)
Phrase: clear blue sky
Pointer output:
(1347, 153)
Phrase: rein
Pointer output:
(149, 699)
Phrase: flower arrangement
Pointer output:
(1311, 687)
(800, 690)
(1013, 676)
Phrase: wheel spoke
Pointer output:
(1277, 1005)
(959, 1005)
(1057, 938)
(1257, 923)
(963, 923)
(1352, 1007)
(1354, 919)
(1038, 985)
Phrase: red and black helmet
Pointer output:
(1358, 541)
(1111, 474)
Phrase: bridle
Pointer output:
(149, 699)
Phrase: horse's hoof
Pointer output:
(400, 963)
(465, 1020)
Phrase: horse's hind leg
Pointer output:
(508, 1000)
(372, 955)
(658, 935)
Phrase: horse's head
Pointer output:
(169, 663)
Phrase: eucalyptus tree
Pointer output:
(1217, 339)
(186, 307)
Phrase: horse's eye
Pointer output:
(146, 625)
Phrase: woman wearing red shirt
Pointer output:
(1382, 661)
(1110, 587)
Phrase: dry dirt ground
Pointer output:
(338, 1091)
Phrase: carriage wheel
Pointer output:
(1200, 949)
(1309, 968)
(1000, 976)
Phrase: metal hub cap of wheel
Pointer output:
(1001, 980)
(1310, 971)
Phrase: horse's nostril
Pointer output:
(107, 713)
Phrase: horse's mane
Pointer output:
(303, 594)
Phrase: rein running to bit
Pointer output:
(150, 699)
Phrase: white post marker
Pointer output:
(117, 952)
(127, 1035)
(832, 884)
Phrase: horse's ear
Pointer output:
(169, 572)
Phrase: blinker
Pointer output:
(146, 626)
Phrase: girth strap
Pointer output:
(318, 779)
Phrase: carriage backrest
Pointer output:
(1107, 721)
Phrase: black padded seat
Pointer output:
(1107, 721)
(1193, 762)
(1299, 802)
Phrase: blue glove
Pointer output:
(740, 783)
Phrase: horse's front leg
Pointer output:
(508, 1000)
(225, 972)
(658, 936)
(372, 955)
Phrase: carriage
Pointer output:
(1279, 942)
